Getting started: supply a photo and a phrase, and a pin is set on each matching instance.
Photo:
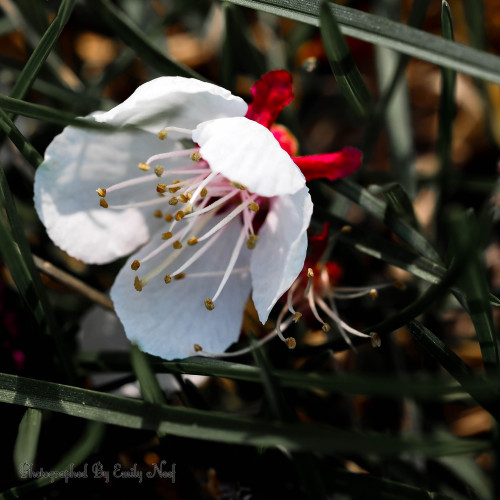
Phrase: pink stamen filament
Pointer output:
(197, 254)
(213, 205)
(228, 217)
(231, 263)
(336, 318)
(171, 154)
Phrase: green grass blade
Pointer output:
(375, 385)
(474, 284)
(447, 106)
(87, 444)
(21, 143)
(387, 33)
(393, 89)
(133, 36)
(344, 68)
(453, 364)
(398, 200)
(214, 426)
(27, 438)
(374, 245)
(42, 50)
(150, 388)
(239, 54)
(380, 210)
(47, 114)
(17, 254)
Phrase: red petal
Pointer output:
(331, 165)
(318, 244)
(286, 139)
(270, 95)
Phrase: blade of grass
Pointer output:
(398, 200)
(453, 364)
(27, 438)
(21, 143)
(238, 52)
(372, 131)
(214, 426)
(447, 107)
(390, 34)
(133, 37)
(20, 263)
(380, 210)
(474, 283)
(87, 444)
(43, 49)
(347, 74)
(374, 385)
(150, 388)
(47, 114)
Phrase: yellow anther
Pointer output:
(179, 276)
(193, 241)
(375, 339)
(183, 198)
(179, 215)
(326, 327)
(346, 229)
(290, 342)
(157, 213)
(253, 207)
(135, 265)
(189, 195)
(203, 192)
(188, 208)
(195, 156)
(252, 241)
(296, 317)
(174, 189)
(138, 284)
(177, 244)
(168, 217)
(162, 134)
(161, 188)
(310, 273)
(143, 166)
(373, 293)
(167, 278)
(197, 348)
(103, 203)
(173, 201)
(167, 235)
(237, 185)
(209, 304)
(101, 192)
(159, 170)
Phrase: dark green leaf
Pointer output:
(27, 438)
(396, 36)
(344, 68)
(214, 426)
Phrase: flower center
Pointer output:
(188, 195)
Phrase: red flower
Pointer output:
(270, 95)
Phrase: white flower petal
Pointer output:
(174, 101)
(77, 162)
(244, 151)
(280, 252)
(166, 320)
